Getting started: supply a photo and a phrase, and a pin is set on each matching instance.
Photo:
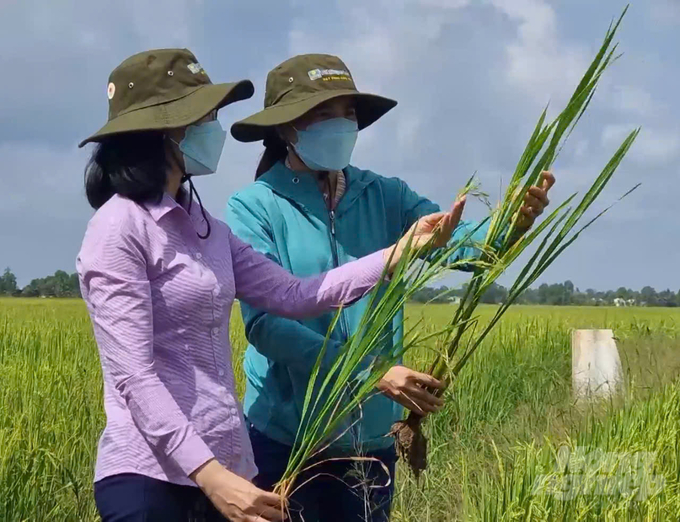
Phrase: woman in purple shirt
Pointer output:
(159, 276)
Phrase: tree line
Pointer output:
(62, 284)
(559, 294)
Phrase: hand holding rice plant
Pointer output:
(332, 397)
(432, 231)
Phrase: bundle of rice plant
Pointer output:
(332, 396)
(506, 241)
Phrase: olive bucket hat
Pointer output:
(301, 83)
(163, 89)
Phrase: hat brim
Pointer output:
(177, 113)
(369, 108)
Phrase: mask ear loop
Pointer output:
(192, 192)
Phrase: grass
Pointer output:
(507, 415)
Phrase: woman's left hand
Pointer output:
(411, 389)
(535, 201)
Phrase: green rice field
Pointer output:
(511, 444)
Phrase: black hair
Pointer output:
(130, 164)
(133, 165)
(275, 150)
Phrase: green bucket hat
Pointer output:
(301, 83)
(163, 89)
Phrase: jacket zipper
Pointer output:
(344, 326)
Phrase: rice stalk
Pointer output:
(558, 231)
(333, 395)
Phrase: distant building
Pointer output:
(620, 302)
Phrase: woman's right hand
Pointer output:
(434, 229)
(235, 497)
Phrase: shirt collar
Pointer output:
(160, 209)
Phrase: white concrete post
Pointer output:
(596, 366)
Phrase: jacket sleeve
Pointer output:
(414, 207)
(113, 278)
(282, 340)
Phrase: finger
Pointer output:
(425, 406)
(533, 202)
(427, 380)
(271, 514)
(548, 180)
(422, 396)
(457, 211)
(433, 219)
(263, 518)
(531, 212)
(415, 405)
(540, 194)
(268, 498)
(275, 513)
(444, 229)
(528, 212)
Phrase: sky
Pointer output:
(471, 78)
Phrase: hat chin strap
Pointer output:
(192, 192)
(192, 188)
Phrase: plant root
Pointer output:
(411, 443)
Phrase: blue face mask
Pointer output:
(328, 144)
(202, 147)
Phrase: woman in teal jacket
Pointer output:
(309, 210)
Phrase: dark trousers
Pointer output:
(135, 498)
(342, 490)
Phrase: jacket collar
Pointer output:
(303, 189)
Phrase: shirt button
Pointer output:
(215, 331)
(221, 373)
(198, 256)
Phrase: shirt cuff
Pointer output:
(191, 454)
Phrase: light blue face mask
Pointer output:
(202, 147)
(328, 144)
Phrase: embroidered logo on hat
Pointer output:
(329, 74)
(195, 68)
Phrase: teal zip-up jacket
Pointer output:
(283, 215)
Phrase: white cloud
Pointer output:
(632, 99)
(654, 147)
(539, 62)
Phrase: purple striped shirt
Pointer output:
(160, 299)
